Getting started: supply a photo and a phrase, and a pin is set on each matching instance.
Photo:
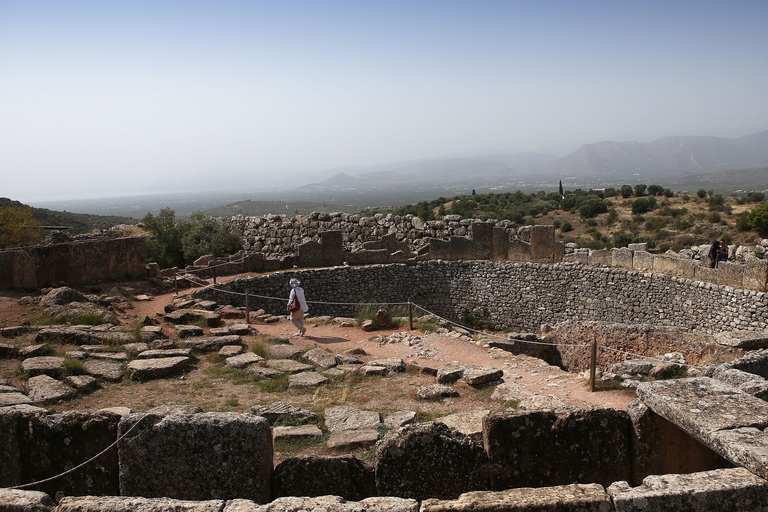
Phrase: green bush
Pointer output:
(758, 218)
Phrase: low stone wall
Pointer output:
(519, 296)
(37, 266)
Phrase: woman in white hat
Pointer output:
(297, 315)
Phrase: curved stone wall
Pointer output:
(513, 295)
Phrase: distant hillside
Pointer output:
(78, 222)
(676, 155)
(261, 208)
(745, 179)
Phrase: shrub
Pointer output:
(641, 205)
(566, 227)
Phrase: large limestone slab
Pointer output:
(43, 365)
(392, 364)
(107, 370)
(720, 490)
(279, 411)
(283, 351)
(746, 446)
(132, 504)
(244, 360)
(314, 475)
(16, 398)
(326, 504)
(468, 423)
(156, 368)
(13, 500)
(544, 448)
(350, 418)
(210, 343)
(743, 339)
(43, 388)
(67, 335)
(306, 380)
(166, 352)
(299, 432)
(583, 497)
(188, 316)
(288, 365)
(320, 357)
(350, 439)
(199, 456)
(477, 376)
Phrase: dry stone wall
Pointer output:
(513, 295)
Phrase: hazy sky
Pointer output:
(105, 98)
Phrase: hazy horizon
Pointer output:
(112, 99)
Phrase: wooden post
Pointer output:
(214, 274)
(175, 284)
(593, 365)
(247, 308)
(410, 313)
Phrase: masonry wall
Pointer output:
(514, 295)
(37, 266)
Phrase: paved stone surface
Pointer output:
(43, 388)
(350, 418)
(244, 360)
(283, 351)
(107, 370)
(155, 368)
(320, 357)
(306, 380)
(168, 352)
(209, 343)
(43, 365)
(288, 365)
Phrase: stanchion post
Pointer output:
(410, 313)
(247, 308)
(175, 285)
(593, 365)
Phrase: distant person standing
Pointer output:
(297, 306)
(722, 255)
(714, 252)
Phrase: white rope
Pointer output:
(23, 486)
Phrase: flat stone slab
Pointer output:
(210, 343)
(130, 503)
(435, 392)
(392, 364)
(451, 372)
(746, 446)
(8, 351)
(276, 411)
(510, 392)
(477, 375)
(350, 418)
(15, 398)
(187, 316)
(112, 356)
(33, 501)
(344, 439)
(68, 335)
(582, 497)
(323, 504)
(320, 357)
(230, 350)
(400, 418)
(298, 432)
(288, 365)
(347, 359)
(244, 360)
(350, 368)
(43, 365)
(82, 382)
(707, 491)
(469, 423)
(156, 368)
(167, 352)
(136, 348)
(219, 331)
(743, 339)
(43, 388)
(306, 380)
(188, 331)
(283, 351)
(32, 350)
(107, 370)
(262, 372)
(240, 329)
(372, 371)
(538, 402)
(7, 388)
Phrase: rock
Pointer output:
(536, 401)
(187, 331)
(167, 410)
(261, 372)
(208, 446)
(383, 319)
(168, 352)
(244, 360)
(320, 358)
(326, 504)
(13, 500)
(82, 382)
(350, 439)
(581, 497)
(151, 332)
(43, 365)
(207, 305)
(43, 388)
(64, 335)
(32, 350)
(450, 373)
(313, 475)
(400, 418)
(283, 351)
(106, 370)
(277, 412)
(306, 380)
(429, 460)
(8, 351)
(435, 392)
(477, 376)
(120, 411)
(14, 398)
(230, 350)
(288, 365)
(131, 504)
(347, 359)
(392, 364)
(510, 392)
(157, 367)
(210, 343)
(372, 371)
(188, 316)
(468, 423)
(352, 368)
(62, 296)
(368, 326)
(296, 432)
(349, 418)
(743, 339)
(231, 312)
(136, 348)
(112, 356)
(240, 329)
(76, 310)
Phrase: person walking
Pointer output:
(297, 306)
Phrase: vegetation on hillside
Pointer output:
(18, 227)
(78, 223)
(178, 243)
(612, 217)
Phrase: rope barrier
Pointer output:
(105, 450)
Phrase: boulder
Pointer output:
(383, 319)
(314, 475)
(429, 460)
(208, 446)
(62, 296)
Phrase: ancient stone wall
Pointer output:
(37, 266)
(514, 295)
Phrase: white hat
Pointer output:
(294, 282)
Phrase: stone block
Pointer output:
(24, 274)
(439, 249)
(429, 460)
(559, 252)
(14, 500)
(199, 456)
(642, 261)
(600, 257)
(500, 244)
(134, 504)
(730, 274)
(117, 258)
(546, 448)
(97, 260)
(518, 251)
(463, 248)
(685, 268)
(314, 475)
(53, 443)
(621, 257)
(6, 268)
(582, 498)
(543, 244)
(332, 248)
(326, 504)
(10, 449)
(754, 361)
(581, 257)
(705, 274)
(638, 247)
(481, 234)
(755, 275)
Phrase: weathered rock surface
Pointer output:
(188, 316)
(296, 432)
(262, 372)
(326, 504)
(106, 370)
(173, 409)
(43, 388)
(244, 360)
(320, 357)
(283, 411)
(477, 376)
(313, 475)
(288, 365)
(158, 367)
(166, 352)
(468, 423)
(451, 372)
(188, 331)
(13, 500)
(400, 419)
(510, 392)
(230, 350)
(350, 439)
(43, 365)
(283, 351)
(209, 343)
(61, 296)
(8, 399)
(350, 418)
(134, 504)
(306, 380)
(429, 460)
(435, 391)
(392, 364)
(209, 446)
(743, 339)
(67, 335)
(575, 497)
